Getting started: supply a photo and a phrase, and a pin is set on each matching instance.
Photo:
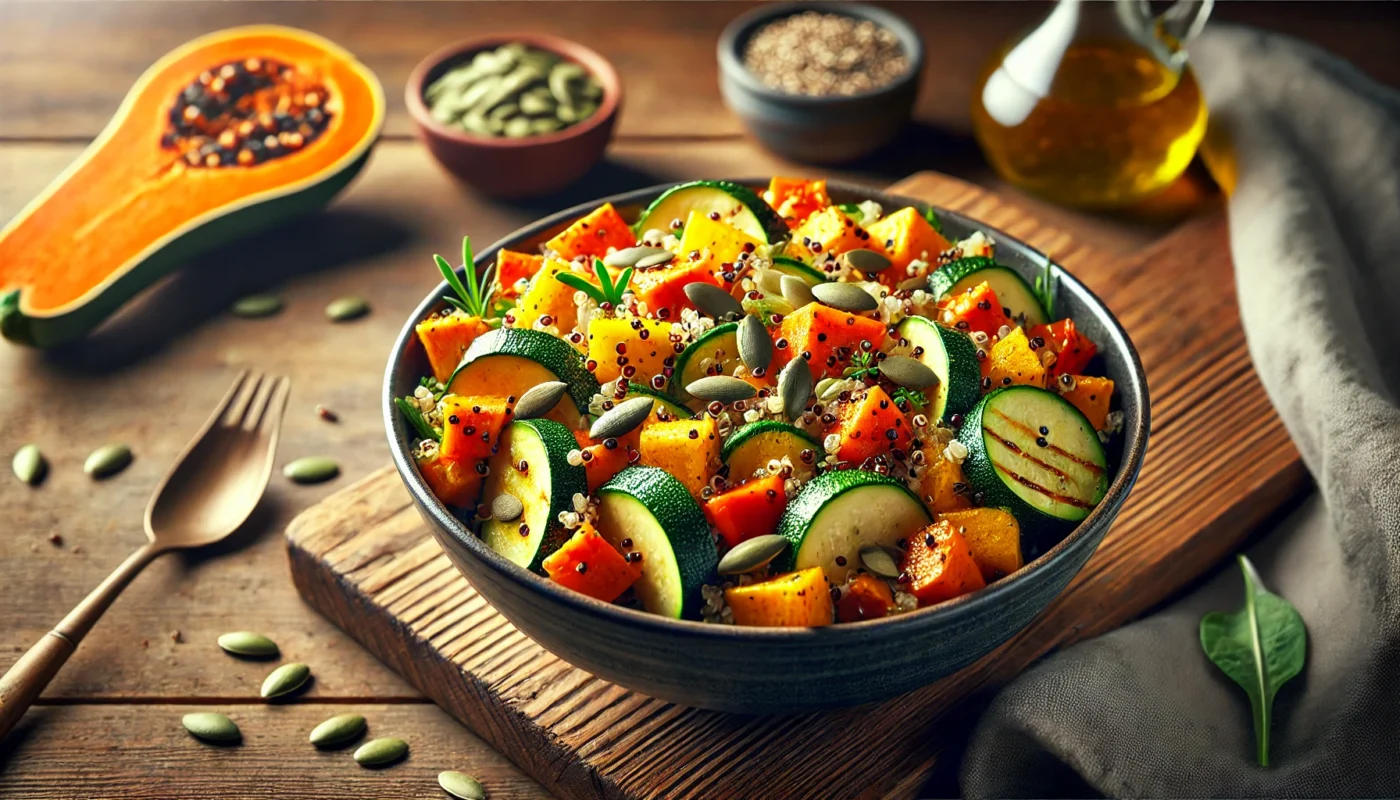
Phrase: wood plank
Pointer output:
(582, 736)
(142, 752)
(67, 65)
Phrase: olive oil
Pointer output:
(1111, 125)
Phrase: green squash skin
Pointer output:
(47, 332)
(803, 510)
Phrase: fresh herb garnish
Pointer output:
(1259, 647)
(913, 397)
(607, 291)
(933, 220)
(1045, 287)
(862, 365)
(474, 298)
(415, 417)
(853, 211)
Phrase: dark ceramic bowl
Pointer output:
(757, 670)
(531, 166)
(822, 130)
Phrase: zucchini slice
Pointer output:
(719, 345)
(798, 269)
(1034, 453)
(953, 358)
(653, 509)
(838, 513)
(757, 443)
(509, 361)
(736, 205)
(1015, 294)
(664, 403)
(545, 488)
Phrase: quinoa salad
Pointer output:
(757, 407)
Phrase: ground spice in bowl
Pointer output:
(823, 54)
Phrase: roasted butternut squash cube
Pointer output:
(1073, 350)
(601, 462)
(796, 199)
(549, 297)
(940, 566)
(903, 237)
(993, 537)
(445, 337)
(588, 564)
(471, 426)
(594, 235)
(748, 510)
(869, 426)
(976, 309)
(1011, 361)
(455, 483)
(687, 448)
(940, 481)
(820, 331)
(714, 241)
(665, 288)
(1091, 395)
(643, 345)
(796, 600)
(827, 232)
(512, 268)
(868, 597)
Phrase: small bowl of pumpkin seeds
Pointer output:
(515, 115)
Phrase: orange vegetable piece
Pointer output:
(1012, 361)
(471, 426)
(938, 481)
(446, 337)
(600, 462)
(796, 199)
(456, 483)
(749, 510)
(865, 427)
(511, 268)
(796, 600)
(940, 566)
(665, 288)
(592, 235)
(905, 236)
(977, 309)
(821, 330)
(1073, 350)
(589, 565)
(687, 448)
(867, 597)
(1091, 395)
(826, 232)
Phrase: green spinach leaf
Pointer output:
(1259, 647)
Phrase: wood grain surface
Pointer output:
(364, 558)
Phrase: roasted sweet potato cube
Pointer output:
(796, 199)
(796, 600)
(939, 565)
(548, 297)
(904, 237)
(749, 510)
(455, 483)
(594, 235)
(445, 337)
(471, 426)
(665, 288)
(993, 537)
(821, 331)
(588, 564)
(941, 480)
(512, 268)
(867, 597)
(827, 232)
(870, 426)
(688, 449)
(1011, 361)
(1091, 395)
(1073, 350)
(976, 309)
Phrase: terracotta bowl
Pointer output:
(760, 670)
(516, 168)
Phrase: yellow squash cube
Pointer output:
(1013, 362)
(688, 449)
(938, 481)
(796, 600)
(721, 241)
(550, 297)
(1091, 396)
(616, 344)
(827, 232)
(993, 536)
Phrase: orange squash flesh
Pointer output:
(97, 229)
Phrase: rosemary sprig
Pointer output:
(607, 291)
(415, 417)
(473, 298)
(1045, 287)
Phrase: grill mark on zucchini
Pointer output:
(1016, 448)
(1015, 423)
(1035, 487)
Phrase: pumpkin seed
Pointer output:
(247, 643)
(712, 300)
(539, 400)
(545, 125)
(211, 727)
(796, 291)
(503, 112)
(477, 124)
(829, 389)
(910, 372)
(566, 114)
(622, 418)
(723, 388)
(507, 508)
(629, 256)
(478, 90)
(879, 561)
(655, 260)
(378, 752)
(534, 104)
(312, 469)
(338, 730)
(345, 309)
(559, 79)
(755, 348)
(109, 459)
(285, 680)
(517, 127)
(795, 387)
(844, 297)
(769, 281)
(823, 386)
(910, 284)
(29, 464)
(867, 261)
(257, 305)
(751, 554)
(461, 785)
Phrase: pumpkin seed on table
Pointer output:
(908, 372)
(755, 348)
(338, 730)
(629, 256)
(107, 460)
(795, 387)
(29, 464)
(622, 419)
(867, 261)
(507, 508)
(461, 785)
(712, 300)
(312, 469)
(345, 309)
(211, 727)
(539, 400)
(379, 752)
(517, 128)
(751, 554)
(257, 305)
(796, 291)
(879, 561)
(844, 297)
(724, 388)
(248, 643)
(284, 680)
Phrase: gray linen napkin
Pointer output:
(1315, 235)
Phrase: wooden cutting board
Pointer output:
(364, 558)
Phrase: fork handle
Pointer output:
(25, 681)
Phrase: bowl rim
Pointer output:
(1134, 451)
(587, 57)
(736, 34)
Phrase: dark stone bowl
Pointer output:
(823, 130)
(762, 670)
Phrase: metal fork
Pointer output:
(212, 489)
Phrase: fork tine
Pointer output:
(249, 421)
(239, 406)
(238, 381)
(269, 415)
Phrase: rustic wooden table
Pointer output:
(109, 725)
